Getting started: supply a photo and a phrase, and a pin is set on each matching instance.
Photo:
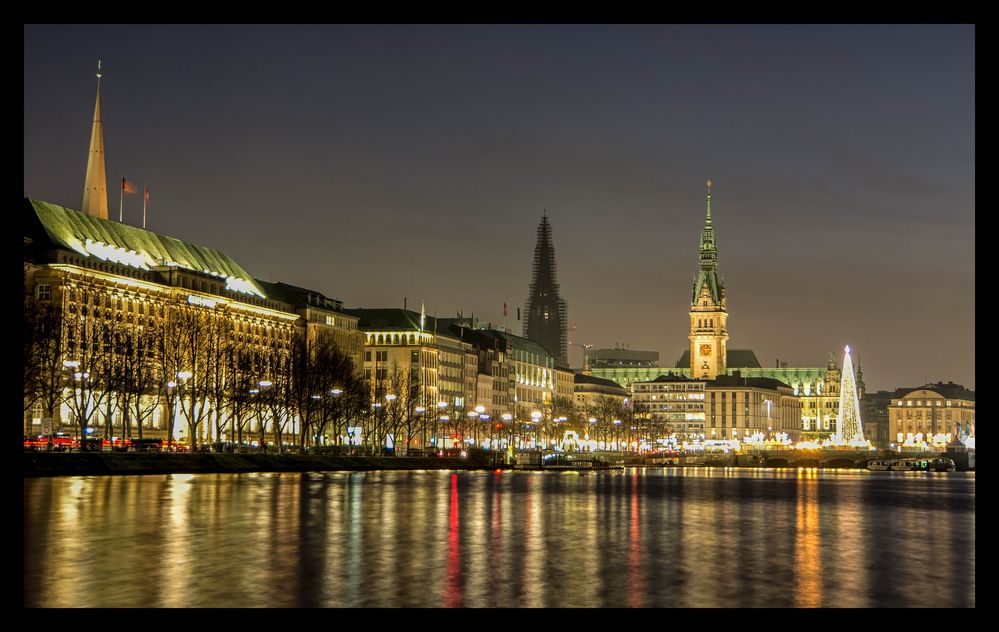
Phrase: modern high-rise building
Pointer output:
(546, 312)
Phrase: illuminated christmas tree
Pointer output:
(848, 424)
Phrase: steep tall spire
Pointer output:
(708, 260)
(708, 314)
(708, 234)
(546, 318)
(95, 190)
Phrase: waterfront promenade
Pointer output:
(43, 463)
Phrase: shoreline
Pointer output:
(44, 464)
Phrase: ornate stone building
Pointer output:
(709, 356)
(930, 410)
(708, 314)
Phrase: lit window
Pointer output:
(44, 292)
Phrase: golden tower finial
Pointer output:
(98, 68)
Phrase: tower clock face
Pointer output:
(706, 351)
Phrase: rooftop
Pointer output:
(734, 359)
(139, 248)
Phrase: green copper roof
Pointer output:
(734, 359)
(392, 319)
(71, 229)
(708, 263)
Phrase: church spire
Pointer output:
(708, 234)
(95, 191)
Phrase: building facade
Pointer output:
(591, 395)
(931, 410)
(321, 314)
(125, 296)
(738, 407)
(672, 401)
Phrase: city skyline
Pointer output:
(797, 288)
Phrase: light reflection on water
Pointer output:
(638, 537)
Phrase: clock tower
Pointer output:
(708, 329)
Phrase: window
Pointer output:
(415, 356)
(381, 356)
(367, 356)
(44, 292)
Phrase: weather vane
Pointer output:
(98, 68)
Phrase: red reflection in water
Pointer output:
(453, 596)
(635, 555)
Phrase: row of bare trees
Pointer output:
(106, 364)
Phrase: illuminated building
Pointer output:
(673, 400)
(708, 315)
(104, 273)
(588, 391)
(816, 387)
(404, 350)
(737, 407)
(931, 410)
(319, 313)
(546, 313)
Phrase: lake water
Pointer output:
(656, 537)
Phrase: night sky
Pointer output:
(373, 163)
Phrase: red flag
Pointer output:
(126, 186)
(146, 193)
(504, 309)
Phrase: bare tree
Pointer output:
(45, 352)
(196, 330)
(89, 346)
(140, 381)
(169, 361)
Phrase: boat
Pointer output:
(879, 466)
(910, 465)
(942, 464)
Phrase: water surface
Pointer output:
(634, 538)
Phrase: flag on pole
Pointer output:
(126, 187)
(504, 310)
(518, 313)
(423, 314)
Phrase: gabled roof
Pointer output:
(69, 230)
(734, 359)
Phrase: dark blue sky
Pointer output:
(377, 162)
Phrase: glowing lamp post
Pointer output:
(535, 417)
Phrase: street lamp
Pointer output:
(472, 418)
